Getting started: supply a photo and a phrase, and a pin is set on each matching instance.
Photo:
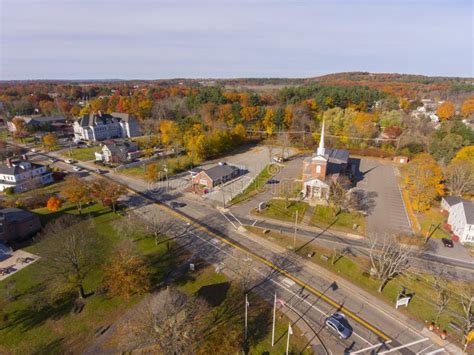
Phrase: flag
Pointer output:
(290, 330)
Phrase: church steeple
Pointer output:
(321, 150)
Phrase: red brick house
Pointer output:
(216, 175)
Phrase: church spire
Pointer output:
(321, 150)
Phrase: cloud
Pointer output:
(164, 39)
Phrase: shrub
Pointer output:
(9, 191)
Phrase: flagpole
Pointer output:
(288, 338)
(274, 318)
(246, 305)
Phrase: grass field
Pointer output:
(422, 306)
(37, 323)
(323, 217)
(278, 209)
(222, 293)
(82, 154)
(251, 190)
(433, 218)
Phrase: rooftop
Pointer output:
(219, 171)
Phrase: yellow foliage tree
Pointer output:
(49, 141)
(423, 180)
(195, 147)
(404, 104)
(364, 124)
(446, 110)
(288, 117)
(466, 154)
(169, 132)
(269, 121)
(467, 107)
(151, 172)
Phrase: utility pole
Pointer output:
(296, 227)
(246, 306)
(274, 319)
(290, 332)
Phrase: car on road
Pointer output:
(76, 168)
(174, 204)
(98, 171)
(69, 161)
(448, 243)
(272, 181)
(338, 323)
(52, 160)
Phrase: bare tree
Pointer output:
(169, 320)
(284, 141)
(337, 197)
(443, 296)
(68, 251)
(460, 177)
(389, 258)
(466, 300)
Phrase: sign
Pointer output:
(403, 302)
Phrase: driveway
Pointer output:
(388, 215)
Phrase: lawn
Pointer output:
(323, 217)
(35, 323)
(254, 187)
(432, 218)
(173, 165)
(422, 306)
(223, 294)
(82, 154)
(278, 209)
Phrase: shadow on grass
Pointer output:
(53, 347)
(214, 294)
(29, 318)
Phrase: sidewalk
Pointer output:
(366, 297)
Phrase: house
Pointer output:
(325, 167)
(461, 220)
(216, 175)
(448, 201)
(400, 159)
(99, 126)
(17, 225)
(22, 175)
(37, 122)
(118, 152)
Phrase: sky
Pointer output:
(161, 39)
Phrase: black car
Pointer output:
(175, 204)
(448, 243)
(272, 181)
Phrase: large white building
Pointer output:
(99, 126)
(461, 217)
(23, 175)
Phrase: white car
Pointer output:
(76, 168)
(69, 161)
(52, 160)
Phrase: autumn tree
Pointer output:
(76, 191)
(337, 197)
(467, 108)
(446, 110)
(50, 141)
(53, 204)
(169, 320)
(20, 127)
(107, 192)
(389, 258)
(68, 251)
(127, 273)
(151, 172)
(443, 296)
(423, 181)
(459, 173)
(268, 121)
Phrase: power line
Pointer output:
(326, 135)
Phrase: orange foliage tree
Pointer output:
(467, 107)
(446, 110)
(53, 204)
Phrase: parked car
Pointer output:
(338, 323)
(52, 160)
(69, 161)
(174, 204)
(272, 181)
(76, 168)
(447, 243)
(98, 171)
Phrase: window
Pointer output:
(318, 169)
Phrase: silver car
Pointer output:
(338, 323)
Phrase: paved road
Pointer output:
(389, 215)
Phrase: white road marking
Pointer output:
(405, 346)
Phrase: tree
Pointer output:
(20, 127)
(422, 179)
(466, 300)
(127, 273)
(459, 177)
(443, 296)
(76, 191)
(108, 192)
(53, 204)
(389, 259)
(68, 251)
(446, 110)
(337, 197)
(49, 141)
(151, 172)
(169, 320)
(467, 108)
(268, 121)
